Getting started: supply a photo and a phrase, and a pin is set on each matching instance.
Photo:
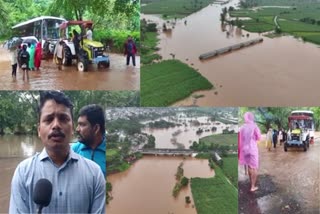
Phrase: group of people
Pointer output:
(274, 137)
(77, 173)
(27, 57)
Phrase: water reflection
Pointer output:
(19, 146)
(147, 186)
(185, 134)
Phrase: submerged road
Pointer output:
(288, 182)
(118, 77)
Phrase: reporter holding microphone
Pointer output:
(57, 180)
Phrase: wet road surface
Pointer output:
(288, 182)
(118, 77)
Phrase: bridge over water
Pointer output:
(165, 151)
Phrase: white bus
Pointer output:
(44, 28)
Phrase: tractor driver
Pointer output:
(89, 33)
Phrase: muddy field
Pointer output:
(118, 77)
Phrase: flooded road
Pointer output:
(284, 67)
(186, 134)
(288, 182)
(146, 187)
(118, 77)
(13, 149)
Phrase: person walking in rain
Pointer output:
(38, 56)
(14, 62)
(130, 50)
(269, 139)
(24, 60)
(31, 51)
(275, 138)
(249, 136)
(58, 53)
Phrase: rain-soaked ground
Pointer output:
(288, 182)
(118, 77)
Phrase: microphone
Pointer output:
(42, 193)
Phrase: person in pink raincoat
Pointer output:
(249, 134)
(37, 56)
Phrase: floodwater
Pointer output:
(146, 187)
(288, 181)
(285, 67)
(118, 77)
(13, 149)
(186, 134)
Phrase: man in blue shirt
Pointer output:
(78, 185)
(91, 135)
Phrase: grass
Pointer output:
(148, 48)
(221, 139)
(230, 168)
(214, 195)
(166, 82)
(288, 18)
(173, 8)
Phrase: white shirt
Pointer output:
(14, 56)
(89, 34)
(58, 50)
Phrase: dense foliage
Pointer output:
(18, 110)
(113, 20)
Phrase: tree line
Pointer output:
(19, 114)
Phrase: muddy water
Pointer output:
(296, 175)
(147, 186)
(13, 149)
(185, 134)
(282, 67)
(118, 77)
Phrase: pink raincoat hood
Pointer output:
(248, 117)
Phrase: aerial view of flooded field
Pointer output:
(242, 77)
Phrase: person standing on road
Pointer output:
(269, 139)
(58, 53)
(275, 138)
(38, 56)
(24, 61)
(14, 62)
(130, 50)
(249, 136)
(31, 51)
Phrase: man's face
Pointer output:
(85, 131)
(56, 127)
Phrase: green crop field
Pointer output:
(230, 168)
(173, 8)
(221, 139)
(214, 195)
(290, 20)
(169, 81)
